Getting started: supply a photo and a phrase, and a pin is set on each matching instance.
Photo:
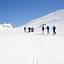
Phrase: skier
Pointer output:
(54, 30)
(32, 29)
(43, 29)
(29, 29)
(47, 29)
(25, 29)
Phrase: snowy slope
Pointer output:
(21, 48)
(55, 18)
(17, 47)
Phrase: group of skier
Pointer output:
(54, 28)
(31, 29)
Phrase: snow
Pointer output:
(56, 18)
(17, 47)
(5, 27)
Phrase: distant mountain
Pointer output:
(6, 26)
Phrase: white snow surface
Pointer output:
(17, 47)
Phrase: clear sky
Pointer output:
(19, 12)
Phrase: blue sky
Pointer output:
(19, 12)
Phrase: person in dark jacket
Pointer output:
(29, 29)
(32, 29)
(47, 29)
(54, 28)
(25, 29)
(43, 29)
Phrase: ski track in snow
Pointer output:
(20, 48)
